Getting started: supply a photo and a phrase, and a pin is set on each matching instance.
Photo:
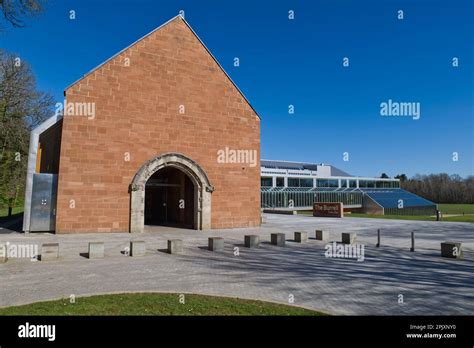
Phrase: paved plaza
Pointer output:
(430, 285)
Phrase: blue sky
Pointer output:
(299, 62)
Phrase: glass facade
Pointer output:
(327, 183)
(300, 182)
(298, 198)
(367, 183)
(293, 182)
(306, 182)
(384, 184)
(265, 181)
(378, 184)
(280, 182)
(330, 183)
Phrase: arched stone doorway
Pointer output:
(203, 189)
(170, 199)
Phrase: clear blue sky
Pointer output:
(299, 62)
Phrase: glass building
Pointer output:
(297, 185)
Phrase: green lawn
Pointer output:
(447, 209)
(4, 211)
(457, 218)
(156, 304)
(390, 217)
(456, 208)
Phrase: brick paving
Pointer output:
(430, 285)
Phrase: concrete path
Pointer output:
(430, 285)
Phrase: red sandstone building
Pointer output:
(145, 138)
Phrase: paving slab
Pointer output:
(430, 284)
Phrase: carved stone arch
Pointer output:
(202, 188)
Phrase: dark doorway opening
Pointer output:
(169, 199)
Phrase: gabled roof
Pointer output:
(150, 33)
(338, 172)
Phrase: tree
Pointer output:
(384, 176)
(401, 177)
(15, 11)
(442, 188)
(22, 107)
(12, 177)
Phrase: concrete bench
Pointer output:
(96, 250)
(349, 238)
(251, 241)
(321, 235)
(49, 252)
(137, 248)
(216, 244)
(452, 250)
(278, 239)
(301, 237)
(175, 246)
(3, 253)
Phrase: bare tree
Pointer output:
(442, 188)
(22, 107)
(15, 11)
(402, 177)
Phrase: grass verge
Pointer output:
(455, 209)
(156, 304)
(15, 210)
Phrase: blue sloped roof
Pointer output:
(389, 198)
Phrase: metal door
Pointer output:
(43, 202)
